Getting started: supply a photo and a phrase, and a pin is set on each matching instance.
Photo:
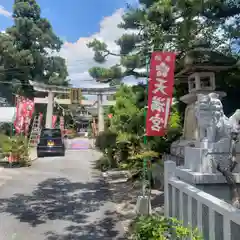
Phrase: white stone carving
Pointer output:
(212, 122)
(214, 135)
(203, 115)
(234, 121)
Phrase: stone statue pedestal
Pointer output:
(201, 157)
(200, 170)
(197, 160)
(212, 183)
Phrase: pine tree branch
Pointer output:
(223, 12)
(112, 54)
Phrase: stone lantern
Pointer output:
(198, 69)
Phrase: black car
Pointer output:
(51, 143)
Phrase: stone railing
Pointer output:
(216, 219)
(179, 160)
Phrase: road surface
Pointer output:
(58, 198)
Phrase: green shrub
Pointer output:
(103, 163)
(5, 144)
(6, 129)
(90, 132)
(105, 140)
(18, 147)
(21, 150)
(157, 227)
(72, 133)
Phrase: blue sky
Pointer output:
(71, 19)
(77, 22)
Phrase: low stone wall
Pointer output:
(215, 218)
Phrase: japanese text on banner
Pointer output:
(160, 90)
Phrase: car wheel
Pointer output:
(39, 155)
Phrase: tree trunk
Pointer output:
(228, 174)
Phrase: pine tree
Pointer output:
(27, 48)
(168, 25)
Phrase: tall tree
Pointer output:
(168, 25)
(28, 48)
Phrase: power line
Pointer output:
(7, 71)
(15, 68)
(27, 84)
(12, 83)
(72, 62)
(83, 80)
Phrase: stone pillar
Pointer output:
(100, 113)
(49, 110)
(197, 82)
(169, 172)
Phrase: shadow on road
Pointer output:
(100, 230)
(60, 199)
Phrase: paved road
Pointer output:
(79, 144)
(59, 198)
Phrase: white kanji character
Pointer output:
(168, 59)
(158, 58)
(162, 69)
(158, 104)
(160, 86)
(157, 122)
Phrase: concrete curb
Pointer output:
(125, 224)
(119, 209)
(34, 159)
(33, 154)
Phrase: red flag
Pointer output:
(62, 124)
(40, 118)
(24, 112)
(160, 91)
(28, 112)
(54, 120)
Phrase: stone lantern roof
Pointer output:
(202, 59)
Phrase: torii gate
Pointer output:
(53, 89)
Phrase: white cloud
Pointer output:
(4, 12)
(80, 58)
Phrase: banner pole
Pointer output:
(15, 115)
(143, 206)
(145, 138)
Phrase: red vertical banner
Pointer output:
(62, 124)
(160, 91)
(28, 113)
(24, 112)
(18, 123)
(54, 120)
(40, 119)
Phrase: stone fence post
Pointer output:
(169, 172)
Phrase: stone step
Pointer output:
(116, 175)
